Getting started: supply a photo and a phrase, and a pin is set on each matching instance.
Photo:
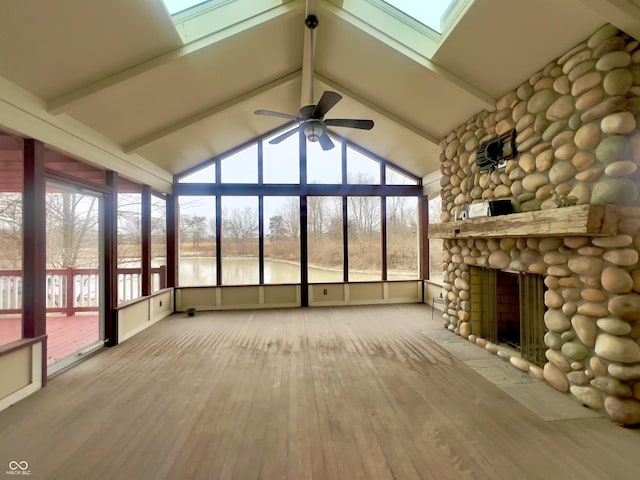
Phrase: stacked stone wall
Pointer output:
(576, 124)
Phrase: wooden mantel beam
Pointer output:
(581, 220)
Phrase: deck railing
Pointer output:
(71, 290)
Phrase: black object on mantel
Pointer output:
(500, 207)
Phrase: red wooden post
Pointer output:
(70, 300)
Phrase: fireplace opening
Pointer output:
(508, 308)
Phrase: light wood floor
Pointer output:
(324, 393)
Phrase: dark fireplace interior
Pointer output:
(508, 309)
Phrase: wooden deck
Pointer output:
(66, 334)
(324, 393)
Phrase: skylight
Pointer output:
(176, 6)
(427, 12)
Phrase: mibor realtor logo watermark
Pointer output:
(18, 467)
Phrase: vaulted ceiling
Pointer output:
(113, 83)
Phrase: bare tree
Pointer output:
(240, 227)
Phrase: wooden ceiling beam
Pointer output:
(622, 14)
(68, 100)
(379, 110)
(186, 122)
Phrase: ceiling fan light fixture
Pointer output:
(313, 130)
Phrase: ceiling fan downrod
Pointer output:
(311, 22)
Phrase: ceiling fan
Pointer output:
(311, 118)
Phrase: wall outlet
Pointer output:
(324, 292)
(160, 302)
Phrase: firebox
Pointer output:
(508, 309)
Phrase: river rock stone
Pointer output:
(555, 377)
(592, 309)
(590, 175)
(626, 307)
(623, 411)
(561, 172)
(612, 60)
(556, 321)
(613, 148)
(588, 396)
(553, 129)
(534, 181)
(620, 169)
(624, 372)
(585, 328)
(589, 99)
(560, 84)
(561, 108)
(541, 100)
(619, 123)
(618, 82)
(613, 326)
(593, 295)
(622, 257)
(598, 366)
(600, 35)
(499, 259)
(580, 69)
(585, 265)
(604, 108)
(565, 152)
(583, 160)
(585, 82)
(575, 351)
(578, 377)
(575, 60)
(524, 91)
(588, 136)
(617, 349)
(614, 190)
(616, 280)
(519, 363)
(553, 340)
(553, 299)
(609, 45)
(612, 386)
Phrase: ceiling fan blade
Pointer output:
(271, 113)
(325, 141)
(284, 136)
(326, 103)
(350, 123)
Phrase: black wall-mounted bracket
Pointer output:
(495, 153)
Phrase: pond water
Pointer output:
(244, 271)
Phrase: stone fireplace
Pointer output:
(567, 261)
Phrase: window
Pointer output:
(428, 13)
(240, 247)
(362, 169)
(158, 242)
(282, 240)
(241, 167)
(281, 161)
(402, 238)
(365, 239)
(129, 241)
(325, 239)
(11, 255)
(435, 244)
(260, 219)
(197, 241)
(324, 166)
(203, 175)
(394, 177)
